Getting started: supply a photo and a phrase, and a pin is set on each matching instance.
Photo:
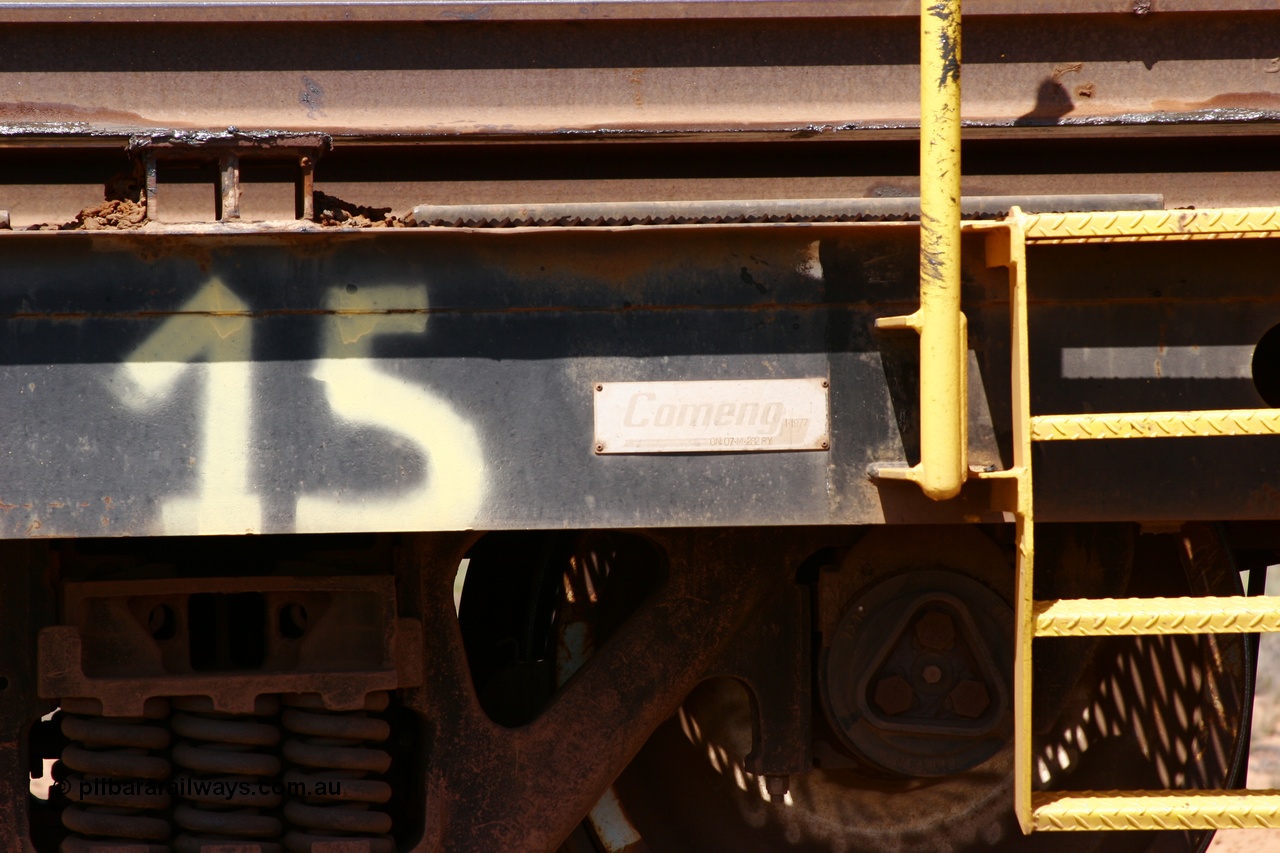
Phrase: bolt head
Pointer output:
(970, 698)
(935, 630)
(894, 695)
(777, 786)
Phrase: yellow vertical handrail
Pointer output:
(944, 346)
(1011, 492)
(1024, 515)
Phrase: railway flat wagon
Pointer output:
(635, 425)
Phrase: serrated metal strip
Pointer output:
(1089, 811)
(1128, 616)
(1204, 424)
(1138, 225)
(748, 211)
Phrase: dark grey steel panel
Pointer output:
(477, 406)
(414, 379)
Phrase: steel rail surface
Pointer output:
(264, 11)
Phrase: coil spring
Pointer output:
(115, 780)
(231, 780)
(330, 762)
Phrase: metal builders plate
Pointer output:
(722, 416)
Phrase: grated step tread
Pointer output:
(1145, 810)
(1203, 424)
(1094, 617)
(1152, 225)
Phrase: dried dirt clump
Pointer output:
(334, 211)
(115, 215)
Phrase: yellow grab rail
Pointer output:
(944, 345)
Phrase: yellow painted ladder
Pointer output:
(1006, 246)
(943, 469)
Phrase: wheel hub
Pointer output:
(917, 684)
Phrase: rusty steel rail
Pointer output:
(263, 11)
(636, 69)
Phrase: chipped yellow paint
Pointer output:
(943, 466)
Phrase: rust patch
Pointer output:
(331, 211)
(1066, 68)
(21, 112)
(378, 651)
(153, 249)
(636, 79)
(1265, 500)
(110, 215)
(1228, 101)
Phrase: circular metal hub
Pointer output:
(917, 683)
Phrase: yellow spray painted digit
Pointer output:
(451, 490)
(213, 325)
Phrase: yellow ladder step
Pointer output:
(1094, 810)
(1156, 425)
(1146, 225)
(1092, 617)
(1115, 810)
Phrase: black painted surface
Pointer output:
(520, 326)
